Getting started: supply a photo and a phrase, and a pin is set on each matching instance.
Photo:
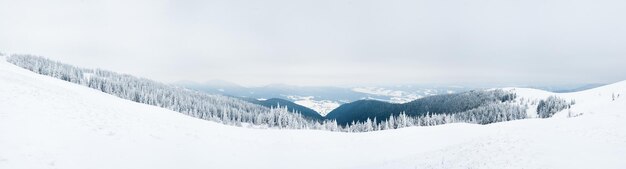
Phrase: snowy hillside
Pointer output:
(49, 123)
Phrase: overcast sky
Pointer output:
(328, 42)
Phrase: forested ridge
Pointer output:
(438, 104)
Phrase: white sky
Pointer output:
(328, 42)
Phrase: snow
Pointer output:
(402, 94)
(323, 107)
(48, 123)
(395, 96)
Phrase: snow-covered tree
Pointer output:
(551, 105)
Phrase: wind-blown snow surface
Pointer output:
(48, 123)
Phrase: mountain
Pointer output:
(292, 107)
(322, 99)
(580, 88)
(231, 89)
(49, 123)
(448, 103)
(225, 87)
(272, 91)
(217, 87)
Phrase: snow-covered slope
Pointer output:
(49, 123)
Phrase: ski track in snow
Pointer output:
(49, 123)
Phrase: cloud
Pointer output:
(328, 42)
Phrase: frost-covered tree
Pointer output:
(551, 105)
(613, 96)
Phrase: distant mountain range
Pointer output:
(343, 104)
(322, 99)
(275, 91)
(576, 89)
